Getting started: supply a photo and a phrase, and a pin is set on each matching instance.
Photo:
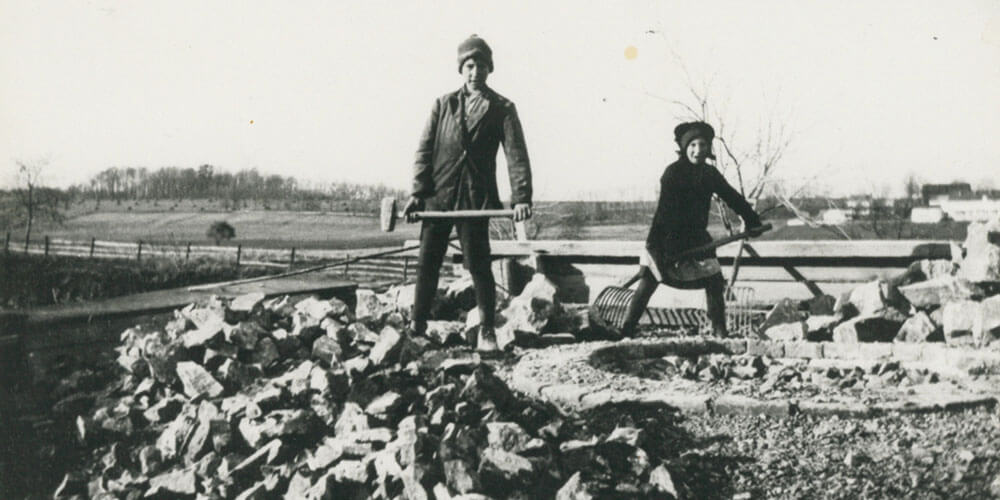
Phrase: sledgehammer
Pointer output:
(389, 213)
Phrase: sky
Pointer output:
(868, 93)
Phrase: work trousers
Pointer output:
(474, 236)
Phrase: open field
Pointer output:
(187, 221)
(265, 229)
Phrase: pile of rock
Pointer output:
(956, 301)
(259, 398)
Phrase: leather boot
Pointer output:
(487, 339)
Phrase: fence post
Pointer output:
(138, 253)
(187, 254)
(6, 244)
(406, 267)
(46, 245)
(239, 252)
(291, 261)
(92, 241)
(347, 264)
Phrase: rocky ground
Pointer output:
(940, 455)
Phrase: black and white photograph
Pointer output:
(453, 250)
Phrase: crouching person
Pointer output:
(680, 223)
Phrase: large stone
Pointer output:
(508, 436)
(319, 309)
(352, 418)
(368, 305)
(162, 355)
(982, 256)
(821, 305)
(386, 350)
(959, 322)
(534, 307)
(661, 480)
(872, 298)
(461, 293)
(500, 469)
(326, 350)
(989, 320)
(246, 302)
(941, 290)
(787, 332)
(400, 298)
(181, 482)
(266, 352)
(820, 328)
(919, 328)
(197, 381)
(460, 475)
(205, 333)
(575, 489)
(445, 332)
(386, 406)
(872, 328)
(235, 374)
(785, 311)
(245, 335)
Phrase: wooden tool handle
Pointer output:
(719, 242)
(462, 214)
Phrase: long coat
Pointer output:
(455, 166)
(681, 219)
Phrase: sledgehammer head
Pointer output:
(387, 214)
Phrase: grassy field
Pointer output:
(257, 228)
(173, 222)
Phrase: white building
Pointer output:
(836, 215)
(926, 215)
(971, 210)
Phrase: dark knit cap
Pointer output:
(475, 47)
(687, 132)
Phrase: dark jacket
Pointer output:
(681, 217)
(456, 170)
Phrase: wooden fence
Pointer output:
(402, 268)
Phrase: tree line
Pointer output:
(208, 182)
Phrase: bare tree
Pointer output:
(33, 200)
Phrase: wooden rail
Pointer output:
(834, 266)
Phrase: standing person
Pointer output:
(455, 169)
(680, 223)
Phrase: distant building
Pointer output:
(971, 210)
(926, 215)
(934, 194)
(836, 215)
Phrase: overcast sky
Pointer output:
(327, 91)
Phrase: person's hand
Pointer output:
(522, 212)
(414, 204)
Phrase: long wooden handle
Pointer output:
(719, 242)
(461, 214)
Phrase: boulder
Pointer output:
(460, 475)
(820, 306)
(246, 302)
(531, 310)
(197, 381)
(870, 299)
(940, 290)
(959, 322)
(872, 328)
(820, 328)
(982, 256)
(575, 489)
(989, 320)
(461, 293)
(511, 437)
(500, 470)
(793, 331)
(183, 482)
(446, 332)
(919, 328)
(327, 351)
(368, 307)
(266, 352)
(386, 350)
(162, 355)
(785, 311)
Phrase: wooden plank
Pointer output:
(829, 249)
